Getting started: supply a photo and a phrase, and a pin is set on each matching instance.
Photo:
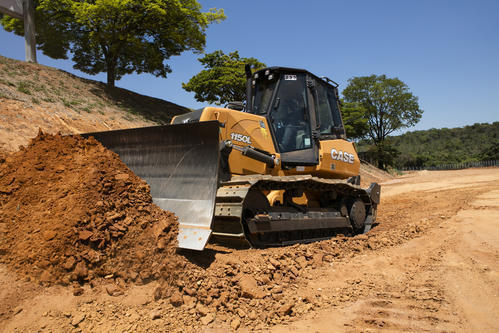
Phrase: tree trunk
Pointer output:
(380, 163)
(380, 156)
(111, 76)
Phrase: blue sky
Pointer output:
(447, 52)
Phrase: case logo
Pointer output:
(342, 156)
(240, 138)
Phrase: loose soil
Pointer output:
(71, 211)
(411, 272)
(370, 174)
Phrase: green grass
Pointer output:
(71, 103)
(7, 83)
(66, 103)
(34, 100)
(24, 87)
(39, 88)
(86, 109)
(90, 108)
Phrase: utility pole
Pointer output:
(23, 10)
(29, 30)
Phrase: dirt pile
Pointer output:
(70, 210)
(369, 174)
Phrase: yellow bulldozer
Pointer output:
(272, 171)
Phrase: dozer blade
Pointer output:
(180, 163)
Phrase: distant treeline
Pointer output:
(436, 147)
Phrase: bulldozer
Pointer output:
(273, 171)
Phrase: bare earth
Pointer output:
(445, 281)
(434, 267)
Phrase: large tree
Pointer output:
(119, 36)
(389, 105)
(354, 120)
(223, 80)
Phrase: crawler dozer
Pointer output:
(273, 171)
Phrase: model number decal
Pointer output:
(342, 156)
(240, 138)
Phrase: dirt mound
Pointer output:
(369, 173)
(72, 211)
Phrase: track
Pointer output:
(243, 213)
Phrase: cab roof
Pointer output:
(278, 69)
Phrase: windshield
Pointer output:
(289, 114)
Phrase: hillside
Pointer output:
(437, 147)
(478, 142)
(34, 96)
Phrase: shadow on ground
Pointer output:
(153, 109)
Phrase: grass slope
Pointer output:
(38, 84)
(34, 96)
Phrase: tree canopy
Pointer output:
(119, 37)
(388, 105)
(433, 147)
(354, 120)
(223, 80)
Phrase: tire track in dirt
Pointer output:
(446, 280)
(414, 302)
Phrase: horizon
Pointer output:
(446, 52)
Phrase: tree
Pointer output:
(354, 120)
(490, 150)
(119, 36)
(384, 153)
(223, 80)
(389, 106)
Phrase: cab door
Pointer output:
(292, 122)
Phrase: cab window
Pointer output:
(289, 114)
(262, 93)
(333, 101)
(329, 115)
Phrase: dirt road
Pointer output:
(446, 280)
(432, 264)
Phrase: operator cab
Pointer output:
(300, 108)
